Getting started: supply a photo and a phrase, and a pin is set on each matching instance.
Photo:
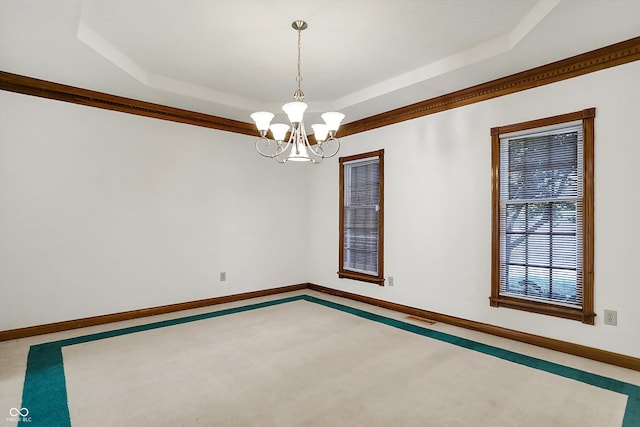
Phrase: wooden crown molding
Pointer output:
(45, 89)
(609, 56)
(606, 57)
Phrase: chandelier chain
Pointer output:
(298, 95)
(299, 61)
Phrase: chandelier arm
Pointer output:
(266, 142)
(319, 152)
(282, 149)
(305, 141)
(333, 152)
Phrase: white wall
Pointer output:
(438, 207)
(102, 212)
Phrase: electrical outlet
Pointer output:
(223, 276)
(611, 317)
(390, 280)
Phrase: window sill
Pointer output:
(543, 308)
(346, 274)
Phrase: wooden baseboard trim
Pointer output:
(611, 358)
(135, 314)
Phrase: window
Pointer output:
(361, 217)
(542, 231)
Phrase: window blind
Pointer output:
(361, 206)
(541, 216)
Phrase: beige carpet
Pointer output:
(301, 363)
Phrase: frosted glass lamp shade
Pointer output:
(262, 119)
(299, 153)
(320, 131)
(295, 110)
(279, 131)
(332, 120)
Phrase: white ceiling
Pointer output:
(362, 57)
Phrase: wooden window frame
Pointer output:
(586, 313)
(348, 274)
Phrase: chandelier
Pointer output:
(297, 147)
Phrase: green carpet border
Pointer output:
(632, 412)
(45, 396)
